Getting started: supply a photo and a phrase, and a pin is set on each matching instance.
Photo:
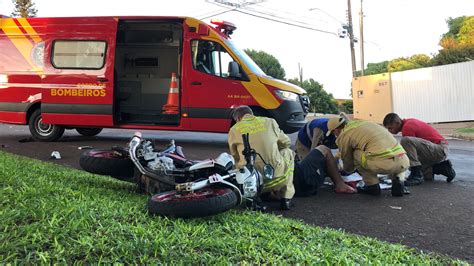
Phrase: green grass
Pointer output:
(468, 130)
(52, 214)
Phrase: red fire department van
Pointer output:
(91, 73)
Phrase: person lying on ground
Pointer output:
(267, 139)
(310, 173)
(425, 147)
(371, 150)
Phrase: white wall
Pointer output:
(435, 94)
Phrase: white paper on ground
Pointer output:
(352, 177)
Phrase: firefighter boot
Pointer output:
(398, 188)
(445, 168)
(286, 204)
(373, 190)
(416, 176)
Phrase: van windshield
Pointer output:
(245, 58)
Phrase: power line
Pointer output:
(277, 16)
(285, 18)
(327, 14)
(237, 9)
(203, 13)
(287, 23)
(220, 13)
(290, 13)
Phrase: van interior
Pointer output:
(147, 54)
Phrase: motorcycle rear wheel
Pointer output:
(107, 162)
(204, 202)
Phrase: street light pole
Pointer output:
(362, 65)
(351, 37)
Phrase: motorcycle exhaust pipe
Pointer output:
(134, 142)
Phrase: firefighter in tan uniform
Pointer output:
(370, 149)
(272, 144)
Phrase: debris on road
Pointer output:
(55, 155)
(84, 147)
(25, 140)
(395, 207)
(3, 146)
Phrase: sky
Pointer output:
(392, 28)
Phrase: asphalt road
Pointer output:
(437, 216)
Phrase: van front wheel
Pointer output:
(41, 131)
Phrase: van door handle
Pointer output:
(196, 83)
(102, 79)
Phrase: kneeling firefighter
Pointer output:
(267, 139)
(370, 149)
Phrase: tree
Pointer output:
(321, 101)
(374, 68)
(267, 62)
(347, 107)
(406, 63)
(454, 55)
(457, 43)
(24, 9)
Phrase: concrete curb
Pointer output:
(469, 137)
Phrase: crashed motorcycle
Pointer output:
(187, 188)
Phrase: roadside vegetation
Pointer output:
(469, 130)
(52, 214)
(457, 45)
(464, 133)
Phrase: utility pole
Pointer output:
(351, 37)
(362, 65)
(300, 70)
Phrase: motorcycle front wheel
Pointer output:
(204, 202)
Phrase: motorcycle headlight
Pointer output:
(286, 95)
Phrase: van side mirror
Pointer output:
(268, 172)
(234, 70)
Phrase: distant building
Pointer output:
(433, 94)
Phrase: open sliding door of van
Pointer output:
(79, 75)
(147, 58)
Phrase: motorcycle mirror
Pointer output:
(268, 171)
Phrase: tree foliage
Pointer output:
(267, 62)
(321, 101)
(457, 46)
(406, 63)
(24, 9)
(461, 32)
(374, 68)
(347, 107)
(457, 43)
(454, 55)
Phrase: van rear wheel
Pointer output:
(89, 131)
(41, 131)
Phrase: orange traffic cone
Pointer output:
(172, 105)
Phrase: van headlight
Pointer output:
(286, 95)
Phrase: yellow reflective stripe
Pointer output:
(278, 180)
(251, 125)
(353, 124)
(275, 182)
(30, 30)
(261, 94)
(21, 42)
(397, 149)
(394, 151)
(363, 160)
